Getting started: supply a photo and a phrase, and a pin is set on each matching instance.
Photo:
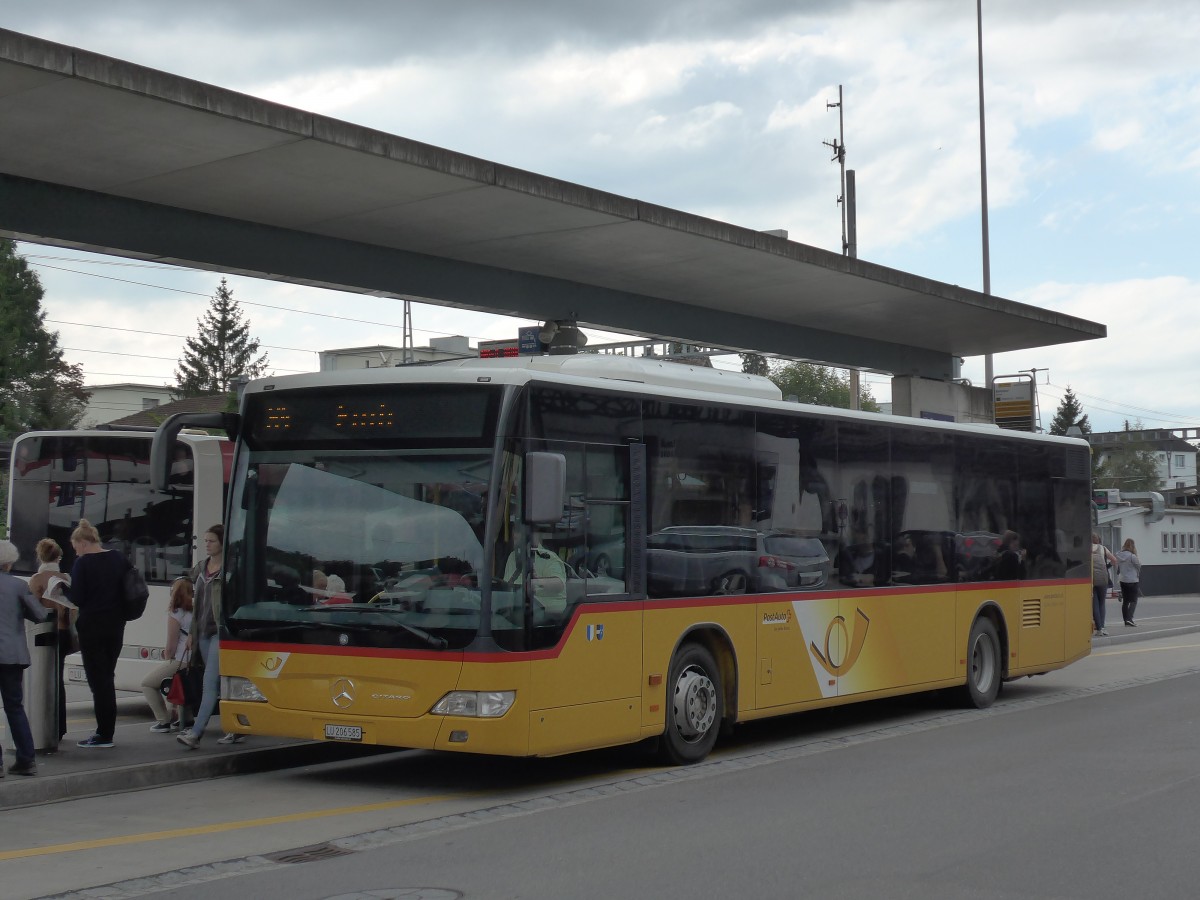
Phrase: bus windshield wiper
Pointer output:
(437, 643)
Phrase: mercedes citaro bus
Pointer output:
(457, 510)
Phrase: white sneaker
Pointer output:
(231, 738)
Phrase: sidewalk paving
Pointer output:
(143, 759)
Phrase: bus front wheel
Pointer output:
(695, 706)
(984, 667)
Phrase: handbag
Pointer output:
(175, 693)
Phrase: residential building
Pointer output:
(154, 416)
(109, 402)
(1174, 457)
(440, 348)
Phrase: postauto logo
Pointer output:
(855, 641)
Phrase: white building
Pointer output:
(109, 402)
(455, 347)
(1166, 533)
(1174, 457)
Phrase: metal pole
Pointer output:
(851, 216)
(849, 196)
(842, 160)
(987, 262)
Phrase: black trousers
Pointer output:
(101, 648)
(1130, 591)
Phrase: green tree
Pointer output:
(755, 364)
(1126, 466)
(811, 383)
(1069, 412)
(38, 388)
(221, 351)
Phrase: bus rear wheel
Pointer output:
(984, 668)
(695, 706)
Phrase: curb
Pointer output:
(1128, 636)
(97, 782)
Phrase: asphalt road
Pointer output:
(1080, 784)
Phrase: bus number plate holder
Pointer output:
(343, 732)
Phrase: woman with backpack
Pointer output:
(98, 589)
(1101, 559)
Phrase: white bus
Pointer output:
(103, 475)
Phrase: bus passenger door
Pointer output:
(586, 679)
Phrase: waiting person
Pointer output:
(1101, 558)
(1129, 573)
(49, 556)
(97, 588)
(179, 625)
(205, 635)
(16, 605)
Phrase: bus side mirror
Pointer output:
(162, 450)
(545, 487)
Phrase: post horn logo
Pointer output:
(272, 664)
(862, 623)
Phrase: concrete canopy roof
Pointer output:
(104, 155)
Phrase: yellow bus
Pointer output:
(539, 555)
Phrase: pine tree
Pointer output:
(221, 351)
(38, 388)
(1069, 413)
(755, 364)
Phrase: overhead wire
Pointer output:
(1123, 409)
(242, 302)
(1101, 404)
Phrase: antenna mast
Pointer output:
(406, 355)
(838, 145)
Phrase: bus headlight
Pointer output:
(242, 689)
(477, 704)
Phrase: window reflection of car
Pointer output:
(792, 561)
(702, 560)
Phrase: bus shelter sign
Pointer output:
(1013, 402)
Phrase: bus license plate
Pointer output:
(76, 675)
(343, 732)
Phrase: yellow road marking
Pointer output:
(219, 827)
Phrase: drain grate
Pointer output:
(314, 853)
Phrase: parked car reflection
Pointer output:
(705, 560)
(792, 562)
(702, 560)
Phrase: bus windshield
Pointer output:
(380, 548)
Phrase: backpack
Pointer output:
(134, 593)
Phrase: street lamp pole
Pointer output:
(987, 263)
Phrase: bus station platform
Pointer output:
(142, 759)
